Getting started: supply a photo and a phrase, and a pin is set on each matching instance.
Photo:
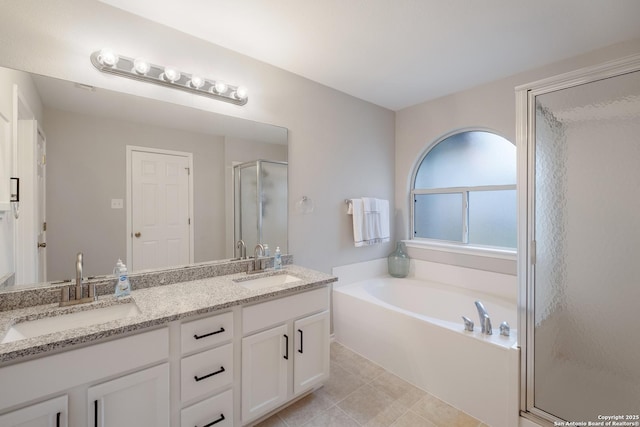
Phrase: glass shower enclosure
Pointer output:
(260, 204)
(579, 287)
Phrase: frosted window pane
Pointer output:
(468, 159)
(492, 218)
(439, 216)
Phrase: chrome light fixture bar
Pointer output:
(139, 69)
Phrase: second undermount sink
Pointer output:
(63, 322)
(270, 281)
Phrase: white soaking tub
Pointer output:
(413, 328)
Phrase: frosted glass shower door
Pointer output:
(586, 230)
(260, 204)
(274, 205)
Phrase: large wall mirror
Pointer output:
(92, 136)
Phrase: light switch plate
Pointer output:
(117, 203)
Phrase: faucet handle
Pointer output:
(65, 292)
(504, 329)
(468, 324)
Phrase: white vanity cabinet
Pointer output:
(50, 413)
(285, 350)
(206, 368)
(119, 373)
(140, 399)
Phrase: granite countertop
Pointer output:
(158, 305)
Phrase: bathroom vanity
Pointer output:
(224, 350)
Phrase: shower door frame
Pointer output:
(525, 142)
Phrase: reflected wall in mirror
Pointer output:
(87, 204)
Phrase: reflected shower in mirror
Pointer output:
(99, 196)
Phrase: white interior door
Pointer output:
(160, 209)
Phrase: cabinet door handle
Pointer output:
(95, 413)
(286, 345)
(301, 348)
(219, 371)
(58, 419)
(214, 422)
(219, 331)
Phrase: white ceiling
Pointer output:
(398, 53)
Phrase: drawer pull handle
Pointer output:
(95, 413)
(221, 370)
(215, 422)
(58, 419)
(301, 348)
(221, 330)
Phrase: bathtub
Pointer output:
(413, 328)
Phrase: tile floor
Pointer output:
(361, 393)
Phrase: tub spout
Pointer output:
(485, 320)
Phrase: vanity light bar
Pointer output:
(139, 69)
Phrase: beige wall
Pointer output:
(339, 146)
(86, 168)
(489, 106)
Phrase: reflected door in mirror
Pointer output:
(160, 209)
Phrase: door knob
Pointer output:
(42, 245)
(138, 234)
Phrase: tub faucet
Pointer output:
(485, 320)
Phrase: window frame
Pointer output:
(463, 246)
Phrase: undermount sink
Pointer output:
(63, 322)
(267, 281)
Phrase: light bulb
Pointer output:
(196, 82)
(108, 57)
(171, 74)
(220, 87)
(241, 92)
(141, 66)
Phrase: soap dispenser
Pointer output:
(277, 260)
(123, 287)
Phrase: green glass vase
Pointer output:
(398, 261)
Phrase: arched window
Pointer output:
(464, 191)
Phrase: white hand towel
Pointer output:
(370, 221)
(356, 208)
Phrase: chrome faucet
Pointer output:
(485, 320)
(258, 262)
(79, 275)
(242, 248)
(78, 298)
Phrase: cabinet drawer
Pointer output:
(270, 313)
(217, 410)
(205, 372)
(202, 333)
